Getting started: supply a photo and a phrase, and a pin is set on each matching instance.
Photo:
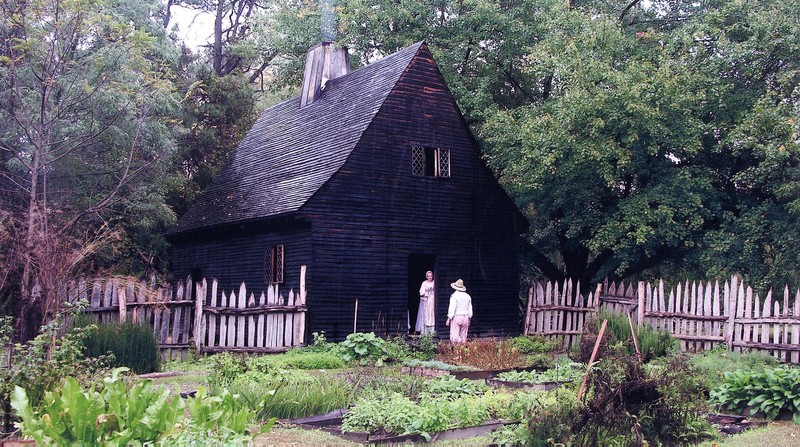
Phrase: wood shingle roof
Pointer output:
(290, 152)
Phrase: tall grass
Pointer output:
(291, 397)
(132, 344)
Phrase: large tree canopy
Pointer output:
(639, 138)
(84, 109)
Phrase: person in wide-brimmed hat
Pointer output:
(459, 313)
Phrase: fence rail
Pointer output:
(198, 314)
(700, 315)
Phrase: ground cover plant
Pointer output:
(444, 403)
(712, 365)
(564, 371)
(771, 392)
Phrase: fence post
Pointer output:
(200, 297)
(528, 313)
(730, 308)
(121, 302)
(640, 310)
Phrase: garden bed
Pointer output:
(332, 422)
(526, 386)
(477, 374)
(730, 424)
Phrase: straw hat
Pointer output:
(459, 285)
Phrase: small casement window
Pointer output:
(430, 161)
(274, 267)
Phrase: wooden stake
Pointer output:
(633, 335)
(591, 359)
(355, 317)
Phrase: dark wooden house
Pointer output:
(368, 179)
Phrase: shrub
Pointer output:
(41, 363)
(652, 343)
(629, 405)
(363, 348)
(773, 392)
(226, 367)
(133, 345)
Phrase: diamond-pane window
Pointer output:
(430, 161)
(274, 266)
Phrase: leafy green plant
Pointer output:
(320, 344)
(133, 345)
(546, 417)
(215, 420)
(363, 348)
(41, 363)
(226, 367)
(398, 414)
(773, 392)
(119, 415)
(436, 364)
(562, 372)
(297, 359)
(712, 365)
(449, 387)
(113, 416)
(535, 344)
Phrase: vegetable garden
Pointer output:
(521, 390)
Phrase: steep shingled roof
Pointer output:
(290, 152)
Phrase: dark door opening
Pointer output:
(418, 265)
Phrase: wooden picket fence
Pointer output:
(701, 315)
(198, 315)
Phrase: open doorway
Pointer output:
(418, 265)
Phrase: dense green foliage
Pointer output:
(40, 364)
(712, 365)
(120, 415)
(652, 343)
(771, 392)
(564, 371)
(132, 345)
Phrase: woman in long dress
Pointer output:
(426, 320)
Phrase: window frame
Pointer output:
(275, 264)
(420, 156)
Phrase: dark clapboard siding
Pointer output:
(236, 254)
(374, 213)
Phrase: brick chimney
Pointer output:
(323, 63)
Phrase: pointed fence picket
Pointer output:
(700, 315)
(194, 315)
